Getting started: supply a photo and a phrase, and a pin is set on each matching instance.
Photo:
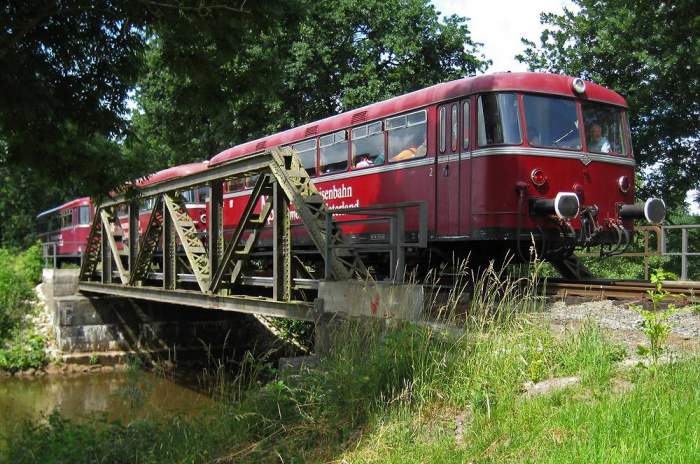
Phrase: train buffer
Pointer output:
(168, 261)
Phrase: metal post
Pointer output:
(328, 268)
(215, 227)
(106, 254)
(282, 246)
(393, 248)
(400, 249)
(169, 250)
(684, 253)
(646, 254)
(133, 235)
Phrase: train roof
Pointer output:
(172, 173)
(83, 201)
(556, 84)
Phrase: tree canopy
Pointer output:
(649, 51)
(202, 75)
(228, 83)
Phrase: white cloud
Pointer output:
(500, 24)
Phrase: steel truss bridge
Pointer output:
(170, 262)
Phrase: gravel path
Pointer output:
(624, 324)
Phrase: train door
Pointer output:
(465, 168)
(447, 170)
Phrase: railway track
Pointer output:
(682, 291)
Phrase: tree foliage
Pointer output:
(67, 68)
(650, 52)
(205, 75)
(230, 82)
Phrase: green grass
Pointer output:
(656, 422)
(393, 395)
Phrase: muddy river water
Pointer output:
(118, 395)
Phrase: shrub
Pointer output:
(25, 349)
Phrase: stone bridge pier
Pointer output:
(107, 329)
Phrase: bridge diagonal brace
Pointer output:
(236, 250)
(148, 244)
(186, 230)
(309, 204)
(106, 219)
(91, 256)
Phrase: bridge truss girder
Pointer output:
(217, 265)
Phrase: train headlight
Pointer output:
(623, 182)
(578, 85)
(538, 177)
(203, 218)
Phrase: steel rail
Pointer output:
(621, 289)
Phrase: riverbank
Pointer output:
(511, 390)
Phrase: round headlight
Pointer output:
(578, 85)
(203, 218)
(624, 184)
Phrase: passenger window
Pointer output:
(454, 123)
(236, 184)
(250, 181)
(307, 154)
(84, 215)
(148, 204)
(188, 195)
(407, 136)
(441, 128)
(202, 194)
(333, 152)
(466, 115)
(499, 119)
(368, 145)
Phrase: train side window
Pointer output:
(466, 116)
(236, 184)
(67, 218)
(307, 154)
(407, 136)
(148, 204)
(441, 128)
(454, 122)
(250, 181)
(188, 195)
(84, 215)
(368, 145)
(499, 119)
(202, 194)
(333, 155)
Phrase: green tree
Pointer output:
(648, 51)
(213, 83)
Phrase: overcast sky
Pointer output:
(499, 25)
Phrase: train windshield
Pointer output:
(551, 122)
(604, 128)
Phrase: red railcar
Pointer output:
(67, 227)
(195, 199)
(498, 159)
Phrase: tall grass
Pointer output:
(385, 394)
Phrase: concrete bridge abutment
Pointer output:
(107, 329)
